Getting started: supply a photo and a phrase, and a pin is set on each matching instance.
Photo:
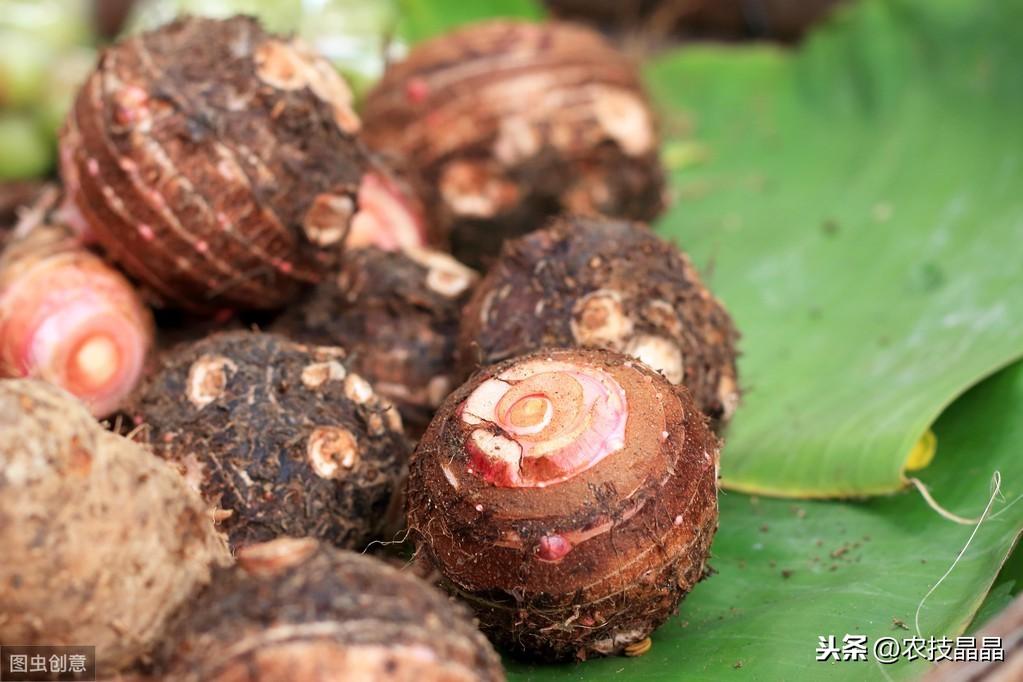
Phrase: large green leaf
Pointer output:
(422, 19)
(791, 571)
(858, 204)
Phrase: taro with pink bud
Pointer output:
(604, 283)
(571, 496)
(219, 164)
(508, 123)
(70, 319)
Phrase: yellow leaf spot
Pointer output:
(923, 452)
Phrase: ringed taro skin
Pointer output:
(510, 122)
(397, 314)
(569, 497)
(283, 438)
(610, 284)
(298, 609)
(101, 540)
(218, 164)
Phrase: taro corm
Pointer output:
(570, 497)
(69, 318)
(296, 609)
(508, 123)
(283, 438)
(219, 164)
(609, 284)
(101, 540)
(397, 313)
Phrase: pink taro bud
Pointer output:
(70, 319)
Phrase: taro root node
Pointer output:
(282, 438)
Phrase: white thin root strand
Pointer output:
(933, 504)
(145, 426)
(995, 492)
(385, 543)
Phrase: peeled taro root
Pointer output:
(397, 314)
(297, 609)
(218, 164)
(284, 439)
(570, 496)
(69, 318)
(101, 540)
(607, 284)
(510, 122)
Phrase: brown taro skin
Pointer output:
(296, 609)
(610, 284)
(16, 197)
(101, 542)
(511, 122)
(282, 438)
(216, 163)
(583, 550)
(397, 314)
